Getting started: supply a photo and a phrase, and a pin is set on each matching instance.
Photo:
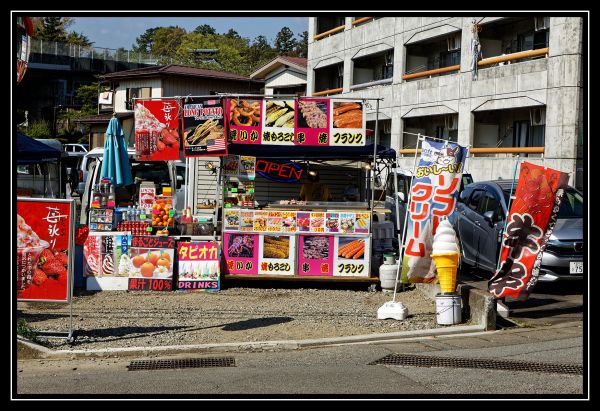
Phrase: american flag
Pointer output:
(216, 145)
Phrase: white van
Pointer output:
(161, 173)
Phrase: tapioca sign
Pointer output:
(283, 172)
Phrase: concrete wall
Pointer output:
(553, 81)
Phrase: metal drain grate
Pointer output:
(454, 362)
(181, 363)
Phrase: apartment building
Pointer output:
(522, 96)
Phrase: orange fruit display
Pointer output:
(164, 262)
(166, 256)
(153, 258)
(138, 260)
(147, 269)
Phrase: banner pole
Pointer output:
(507, 212)
(404, 228)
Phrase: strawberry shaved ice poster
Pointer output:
(157, 130)
(44, 243)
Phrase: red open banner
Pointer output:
(531, 220)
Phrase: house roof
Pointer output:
(177, 70)
(298, 63)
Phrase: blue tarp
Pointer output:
(30, 151)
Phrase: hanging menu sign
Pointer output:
(204, 128)
(157, 134)
(312, 122)
(348, 123)
(244, 121)
(278, 121)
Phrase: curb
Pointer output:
(255, 346)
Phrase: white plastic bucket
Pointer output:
(448, 309)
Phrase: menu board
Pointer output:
(44, 260)
(241, 253)
(315, 255)
(312, 122)
(232, 219)
(246, 220)
(204, 128)
(277, 255)
(278, 221)
(149, 264)
(231, 165)
(199, 266)
(101, 219)
(244, 116)
(352, 256)
(303, 122)
(157, 135)
(347, 123)
(278, 121)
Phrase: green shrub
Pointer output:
(25, 331)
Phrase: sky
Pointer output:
(115, 32)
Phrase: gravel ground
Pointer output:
(134, 318)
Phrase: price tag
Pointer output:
(171, 213)
(142, 216)
(149, 229)
(234, 190)
(250, 190)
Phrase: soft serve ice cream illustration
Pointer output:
(445, 253)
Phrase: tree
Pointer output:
(144, 43)
(205, 29)
(55, 29)
(285, 43)
(260, 52)
(166, 40)
(87, 96)
(232, 34)
(302, 45)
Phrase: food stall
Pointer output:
(315, 240)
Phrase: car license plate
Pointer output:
(576, 267)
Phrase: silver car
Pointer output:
(479, 222)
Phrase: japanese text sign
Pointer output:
(45, 231)
(150, 263)
(198, 266)
(157, 134)
(434, 190)
(531, 220)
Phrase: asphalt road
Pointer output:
(550, 303)
(336, 372)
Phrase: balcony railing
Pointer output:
(489, 150)
(431, 72)
(330, 32)
(361, 20)
(326, 92)
(485, 62)
(372, 83)
(514, 56)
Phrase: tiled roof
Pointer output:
(300, 61)
(177, 70)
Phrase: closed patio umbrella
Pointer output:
(116, 164)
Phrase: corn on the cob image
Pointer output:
(285, 118)
(271, 118)
(289, 124)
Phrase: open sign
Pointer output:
(284, 172)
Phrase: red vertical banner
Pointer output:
(531, 220)
(157, 129)
(44, 243)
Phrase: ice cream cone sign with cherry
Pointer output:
(445, 253)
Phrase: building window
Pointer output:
(139, 92)
(330, 77)
(324, 24)
(432, 54)
(374, 67)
